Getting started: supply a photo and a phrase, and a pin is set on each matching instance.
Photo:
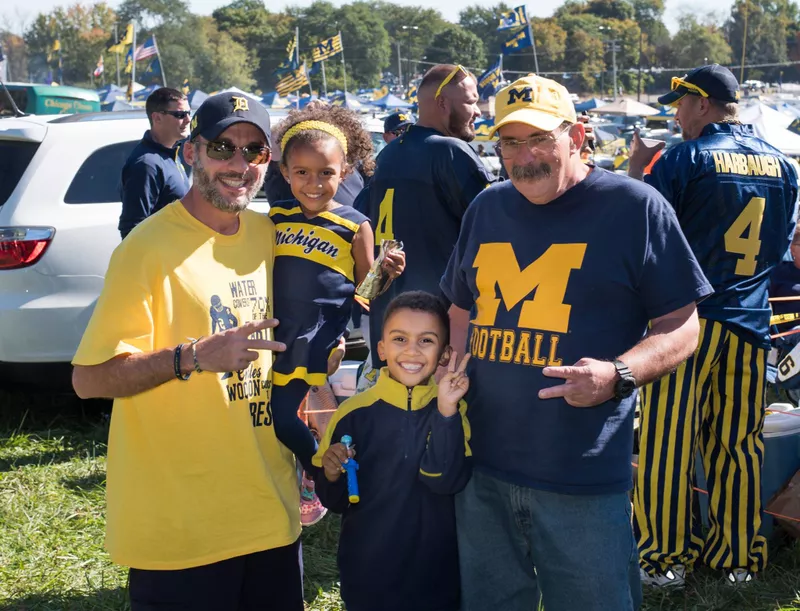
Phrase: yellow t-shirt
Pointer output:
(195, 472)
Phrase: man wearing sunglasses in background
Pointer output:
(154, 176)
(735, 197)
(395, 125)
(422, 186)
(202, 498)
(581, 286)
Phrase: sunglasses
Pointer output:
(178, 114)
(449, 78)
(681, 86)
(400, 130)
(223, 150)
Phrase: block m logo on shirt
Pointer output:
(541, 286)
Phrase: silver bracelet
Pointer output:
(194, 352)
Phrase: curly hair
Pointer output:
(359, 141)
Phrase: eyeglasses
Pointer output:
(178, 114)
(223, 150)
(449, 78)
(509, 147)
(678, 83)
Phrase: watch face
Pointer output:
(625, 387)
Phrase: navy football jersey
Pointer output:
(735, 197)
(315, 270)
(419, 193)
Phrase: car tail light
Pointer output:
(23, 246)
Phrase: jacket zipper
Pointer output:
(408, 423)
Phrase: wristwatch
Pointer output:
(626, 384)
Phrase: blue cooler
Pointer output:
(781, 459)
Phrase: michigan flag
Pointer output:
(56, 46)
(292, 82)
(154, 69)
(291, 47)
(411, 94)
(129, 62)
(185, 88)
(119, 47)
(327, 48)
(520, 40)
(515, 18)
(488, 81)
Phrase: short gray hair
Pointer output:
(728, 110)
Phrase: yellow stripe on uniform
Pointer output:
(335, 218)
(301, 373)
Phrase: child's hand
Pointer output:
(333, 459)
(336, 357)
(453, 386)
(394, 263)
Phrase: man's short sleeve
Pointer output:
(122, 322)
(671, 277)
(141, 189)
(454, 283)
(461, 176)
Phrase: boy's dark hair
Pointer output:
(421, 301)
(359, 141)
(159, 100)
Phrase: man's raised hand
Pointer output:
(233, 349)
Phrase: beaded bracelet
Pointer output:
(176, 363)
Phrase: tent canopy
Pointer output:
(196, 98)
(351, 102)
(771, 125)
(665, 114)
(390, 101)
(626, 107)
(144, 93)
(589, 104)
(274, 100)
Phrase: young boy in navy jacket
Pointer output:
(397, 548)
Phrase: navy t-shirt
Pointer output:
(735, 197)
(546, 286)
(419, 193)
(785, 282)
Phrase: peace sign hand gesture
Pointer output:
(453, 386)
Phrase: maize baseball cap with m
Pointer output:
(220, 111)
(533, 100)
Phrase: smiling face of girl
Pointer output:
(314, 171)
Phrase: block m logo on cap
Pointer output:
(519, 95)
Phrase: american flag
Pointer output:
(148, 49)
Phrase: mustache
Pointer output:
(531, 171)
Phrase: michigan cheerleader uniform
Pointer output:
(315, 270)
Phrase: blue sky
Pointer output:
(541, 8)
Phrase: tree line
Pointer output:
(243, 43)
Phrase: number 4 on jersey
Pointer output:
(748, 221)
(384, 230)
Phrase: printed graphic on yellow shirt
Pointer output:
(540, 288)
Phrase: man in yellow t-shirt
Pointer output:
(202, 498)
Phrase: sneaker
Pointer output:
(673, 577)
(311, 510)
(738, 577)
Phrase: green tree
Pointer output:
(620, 10)
(456, 45)
(16, 52)
(696, 44)
(771, 26)
(551, 44)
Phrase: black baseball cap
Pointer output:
(220, 111)
(714, 81)
(396, 121)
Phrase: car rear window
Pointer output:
(20, 97)
(14, 159)
(97, 181)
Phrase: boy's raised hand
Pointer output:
(333, 459)
(453, 386)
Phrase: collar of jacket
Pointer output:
(148, 138)
(728, 128)
(395, 393)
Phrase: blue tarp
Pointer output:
(589, 104)
(390, 101)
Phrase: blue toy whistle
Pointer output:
(350, 466)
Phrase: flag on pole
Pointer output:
(56, 46)
(489, 80)
(185, 88)
(327, 48)
(100, 67)
(129, 62)
(515, 18)
(153, 69)
(124, 42)
(293, 82)
(519, 41)
(291, 47)
(411, 94)
(148, 49)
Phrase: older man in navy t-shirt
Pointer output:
(580, 287)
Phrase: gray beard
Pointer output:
(531, 172)
(205, 185)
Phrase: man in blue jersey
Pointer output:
(423, 184)
(735, 198)
(582, 287)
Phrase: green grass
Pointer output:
(52, 477)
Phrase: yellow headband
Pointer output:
(321, 126)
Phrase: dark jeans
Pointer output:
(264, 581)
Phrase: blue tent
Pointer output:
(273, 100)
(143, 94)
(110, 93)
(351, 102)
(665, 114)
(116, 106)
(589, 104)
(482, 128)
(196, 98)
(390, 101)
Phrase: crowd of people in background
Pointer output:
(494, 428)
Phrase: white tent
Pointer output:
(770, 125)
(237, 91)
(626, 107)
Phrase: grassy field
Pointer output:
(52, 474)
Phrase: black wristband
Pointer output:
(176, 363)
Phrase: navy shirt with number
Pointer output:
(419, 193)
(548, 285)
(735, 197)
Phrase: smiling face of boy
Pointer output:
(413, 346)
